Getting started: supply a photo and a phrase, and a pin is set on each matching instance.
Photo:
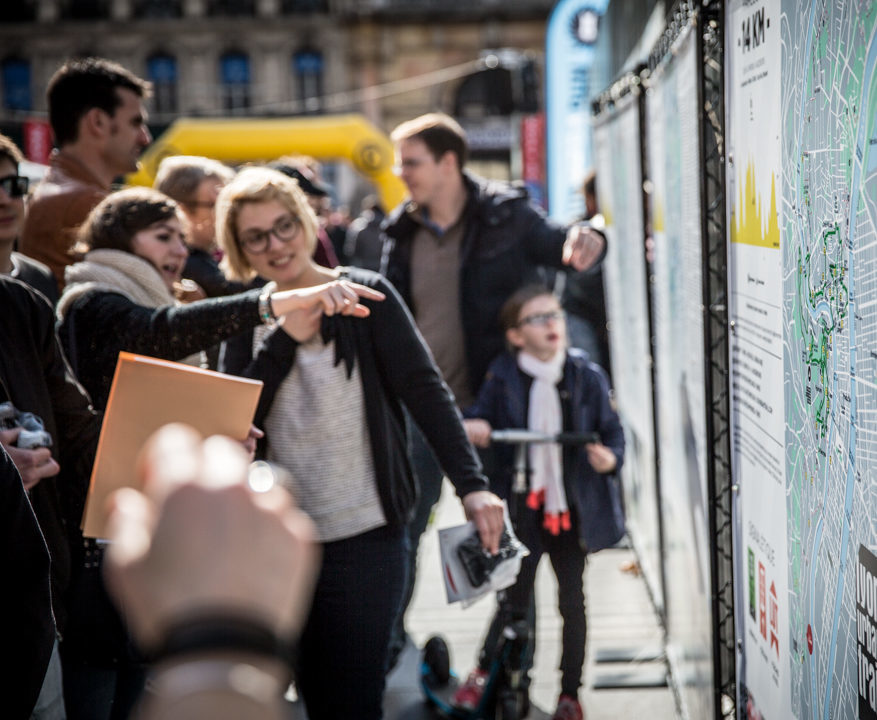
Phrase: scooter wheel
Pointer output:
(437, 658)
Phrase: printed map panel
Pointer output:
(828, 223)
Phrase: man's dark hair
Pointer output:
(439, 132)
(85, 83)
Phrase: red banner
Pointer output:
(533, 156)
(37, 140)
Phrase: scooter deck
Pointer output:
(439, 696)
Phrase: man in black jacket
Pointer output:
(25, 605)
(35, 377)
(456, 250)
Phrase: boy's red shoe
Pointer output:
(468, 695)
(568, 708)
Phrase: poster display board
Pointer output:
(829, 228)
(802, 143)
(754, 181)
(617, 151)
(674, 171)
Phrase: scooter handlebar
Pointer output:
(519, 436)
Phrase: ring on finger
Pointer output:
(261, 477)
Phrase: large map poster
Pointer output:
(810, 651)
(617, 149)
(672, 117)
(829, 229)
(758, 421)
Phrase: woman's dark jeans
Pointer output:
(342, 661)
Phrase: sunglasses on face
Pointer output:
(14, 185)
(541, 318)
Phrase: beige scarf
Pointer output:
(120, 272)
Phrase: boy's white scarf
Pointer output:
(546, 460)
(121, 272)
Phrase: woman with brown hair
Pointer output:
(120, 298)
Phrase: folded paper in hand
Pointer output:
(470, 571)
(148, 393)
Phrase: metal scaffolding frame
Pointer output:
(708, 16)
(716, 344)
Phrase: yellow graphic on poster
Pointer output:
(754, 222)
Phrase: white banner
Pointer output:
(617, 148)
(754, 174)
(675, 170)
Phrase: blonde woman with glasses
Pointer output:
(332, 411)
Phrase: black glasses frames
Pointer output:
(14, 185)
(258, 241)
(541, 318)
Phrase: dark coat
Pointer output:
(35, 377)
(96, 326)
(505, 241)
(26, 624)
(36, 274)
(396, 368)
(594, 497)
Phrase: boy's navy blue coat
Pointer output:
(595, 498)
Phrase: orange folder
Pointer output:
(148, 393)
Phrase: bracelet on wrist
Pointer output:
(266, 312)
(220, 632)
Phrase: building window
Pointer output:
(161, 69)
(16, 84)
(18, 11)
(158, 9)
(87, 9)
(307, 67)
(231, 7)
(487, 93)
(234, 73)
(291, 7)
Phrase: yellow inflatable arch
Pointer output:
(325, 137)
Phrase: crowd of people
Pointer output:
(372, 342)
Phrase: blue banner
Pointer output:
(570, 52)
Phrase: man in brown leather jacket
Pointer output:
(99, 122)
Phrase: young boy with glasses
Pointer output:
(573, 504)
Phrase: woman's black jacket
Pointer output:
(396, 369)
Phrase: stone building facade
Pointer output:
(388, 59)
